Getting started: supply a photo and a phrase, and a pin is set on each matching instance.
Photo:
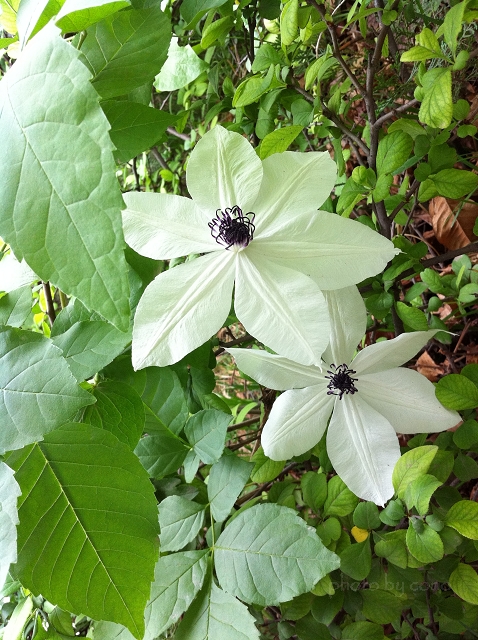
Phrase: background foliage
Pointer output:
(103, 96)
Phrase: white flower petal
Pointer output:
(407, 400)
(348, 321)
(163, 226)
(297, 422)
(391, 353)
(363, 449)
(181, 309)
(292, 183)
(282, 308)
(334, 251)
(223, 171)
(275, 372)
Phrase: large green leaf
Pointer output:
(59, 177)
(134, 126)
(393, 151)
(267, 555)
(15, 307)
(89, 346)
(9, 492)
(127, 49)
(37, 390)
(118, 409)
(412, 465)
(216, 615)
(464, 582)
(77, 15)
(87, 538)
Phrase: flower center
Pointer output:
(232, 228)
(341, 381)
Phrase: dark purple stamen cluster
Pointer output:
(341, 381)
(231, 227)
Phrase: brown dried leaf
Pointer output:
(449, 232)
(428, 367)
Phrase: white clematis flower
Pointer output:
(258, 224)
(369, 398)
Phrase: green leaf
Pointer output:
(433, 280)
(425, 545)
(412, 127)
(340, 500)
(362, 631)
(452, 25)
(456, 391)
(393, 150)
(19, 619)
(463, 516)
(89, 346)
(118, 409)
(15, 307)
(349, 196)
(289, 22)
(392, 547)
(266, 55)
(177, 580)
(45, 106)
(206, 432)
(114, 544)
(216, 615)
(466, 436)
(465, 468)
(252, 88)
(454, 183)
(436, 109)
(37, 391)
(356, 560)
(78, 15)
(412, 465)
(180, 521)
(181, 67)
(464, 582)
(279, 140)
(134, 126)
(419, 492)
(160, 389)
(381, 606)
(126, 50)
(316, 71)
(417, 54)
(226, 481)
(216, 31)
(412, 317)
(162, 452)
(429, 40)
(9, 492)
(192, 10)
(314, 489)
(366, 516)
(8, 15)
(269, 555)
(265, 469)
(33, 15)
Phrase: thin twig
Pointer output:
(336, 48)
(182, 136)
(233, 343)
(395, 110)
(161, 161)
(470, 248)
(406, 199)
(245, 423)
(50, 309)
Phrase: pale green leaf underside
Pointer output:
(9, 492)
(87, 538)
(50, 198)
(268, 555)
(37, 390)
(180, 521)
